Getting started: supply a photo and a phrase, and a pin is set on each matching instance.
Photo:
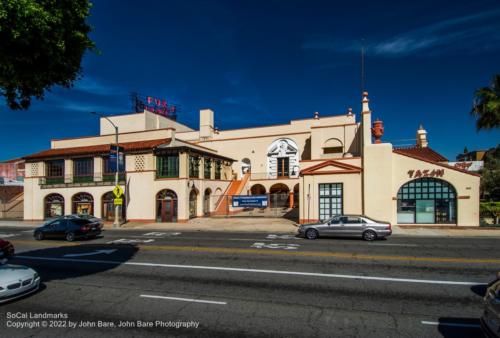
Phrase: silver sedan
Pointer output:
(347, 226)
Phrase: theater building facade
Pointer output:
(318, 167)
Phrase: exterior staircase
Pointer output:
(13, 208)
(225, 201)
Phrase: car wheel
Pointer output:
(70, 237)
(39, 236)
(311, 234)
(369, 235)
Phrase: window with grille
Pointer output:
(207, 172)
(83, 169)
(54, 168)
(167, 166)
(330, 200)
(218, 169)
(194, 166)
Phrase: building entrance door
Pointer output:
(167, 211)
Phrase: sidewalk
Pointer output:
(272, 225)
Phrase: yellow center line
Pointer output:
(343, 255)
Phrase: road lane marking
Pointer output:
(97, 252)
(275, 272)
(130, 241)
(275, 246)
(391, 244)
(341, 255)
(282, 237)
(185, 299)
(450, 324)
(161, 234)
(4, 235)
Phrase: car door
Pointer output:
(60, 230)
(334, 227)
(353, 226)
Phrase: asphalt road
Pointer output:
(212, 284)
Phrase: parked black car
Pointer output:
(68, 228)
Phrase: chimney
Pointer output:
(172, 136)
(206, 123)
(422, 137)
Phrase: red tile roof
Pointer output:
(428, 155)
(97, 149)
(424, 153)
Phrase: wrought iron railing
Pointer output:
(82, 180)
(272, 176)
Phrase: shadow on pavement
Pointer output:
(66, 262)
(451, 327)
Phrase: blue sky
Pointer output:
(266, 62)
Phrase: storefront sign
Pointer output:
(426, 173)
(254, 201)
(468, 165)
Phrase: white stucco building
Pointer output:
(323, 166)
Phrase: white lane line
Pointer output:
(450, 324)
(391, 244)
(185, 299)
(276, 272)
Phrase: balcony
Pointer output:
(68, 181)
(272, 176)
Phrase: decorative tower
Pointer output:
(422, 137)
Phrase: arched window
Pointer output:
(427, 201)
(283, 159)
(166, 206)
(83, 204)
(333, 146)
(246, 166)
(54, 206)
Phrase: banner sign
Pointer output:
(253, 201)
(116, 152)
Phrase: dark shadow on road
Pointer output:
(451, 327)
(60, 263)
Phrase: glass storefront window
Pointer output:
(427, 201)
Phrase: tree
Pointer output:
(486, 107)
(490, 175)
(42, 43)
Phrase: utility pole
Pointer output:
(116, 223)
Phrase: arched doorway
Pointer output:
(54, 206)
(279, 195)
(83, 204)
(428, 201)
(193, 195)
(258, 189)
(108, 207)
(206, 202)
(166, 206)
(296, 196)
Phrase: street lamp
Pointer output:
(116, 224)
